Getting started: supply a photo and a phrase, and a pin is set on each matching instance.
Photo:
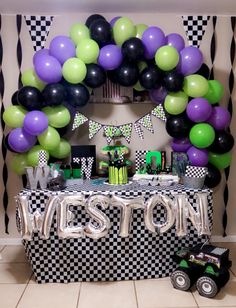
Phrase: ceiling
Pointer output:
(210, 7)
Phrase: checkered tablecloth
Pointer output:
(139, 256)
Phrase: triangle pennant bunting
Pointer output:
(126, 131)
(94, 128)
(138, 130)
(79, 119)
(146, 122)
(195, 27)
(39, 27)
(110, 132)
(159, 112)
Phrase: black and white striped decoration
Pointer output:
(86, 166)
(213, 46)
(39, 27)
(230, 109)
(195, 27)
(4, 149)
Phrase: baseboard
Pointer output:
(10, 241)
(221, 239)
(214, 238)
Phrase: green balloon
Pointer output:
(142, 65)
(74, 70)
(62, 151)
(19, 163)
(79, 32)
(215, 91)
(176, 102)
(202, 135)
(220, 161)
(29, 78)
(140, 28)
(166, 57)
(33, 155)
(87, 50)
(14, 116)
(195, 85)
(123, 29)
(49, 139)
(58, 116)
(138, 87)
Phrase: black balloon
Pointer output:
(30, 98)
(178, 126)
(150, 77)
(133, 49)
(111, 75)
(63, 130)
(93, 18)
(54, 94)
(95, 77)
(223, 142)
(127, 74)
(101, 32)
(204, 71)
(173, 81)
(14, 100)
(77, 95)
(213, 176)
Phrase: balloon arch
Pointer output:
(131, 55)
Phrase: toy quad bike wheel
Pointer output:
(181, 279)
(207, 286)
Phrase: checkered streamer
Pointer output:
(195, 27)
(140, 159)
(138, 130)
(146, 122)
(159, 113)
(76, 160)
(94, 128)
(39, 27)
(86, 166)
(79, 119)
(126, 131)
(109, 132)
(195, 172)
(42, 158)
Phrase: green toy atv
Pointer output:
(206, 265)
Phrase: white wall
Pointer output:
(118, 114)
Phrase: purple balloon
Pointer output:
(40, 53)
(175, 40)
(153, 38)
(198, 157)
(48, 69)
(62, 48)
(20, 141)
(180, 145)
(35, 122)
(110, 57)
(219, 118)
(199, 110)
(158, 95)
(114, 19)
(190, 61)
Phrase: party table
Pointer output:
(140, 255)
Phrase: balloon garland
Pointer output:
(131, 55)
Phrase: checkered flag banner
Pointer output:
(126, 131)
(86, 166)
(146, 122)
(79, 119)
(195, 172)
(94, 128)
(39, 27)
(159, 113)
(42, 158)
(109, 132)
(195, 27)
(138, 130)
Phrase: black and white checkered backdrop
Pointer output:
(141, 255)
